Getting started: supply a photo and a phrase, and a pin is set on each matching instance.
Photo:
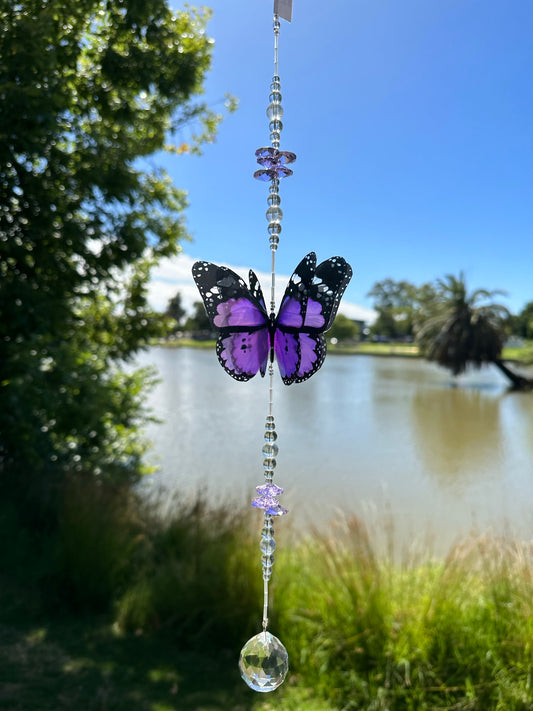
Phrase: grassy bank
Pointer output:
(523, 355)
(120, 609)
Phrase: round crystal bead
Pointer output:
(274, 199)
(274, 228)
(264, 662)
(267, 545)
(270, 450)
(275, 97)
(267, 561)
(268, 529)
(274, 111)
(274, 188)
(275, 125)
(274, 241)
(274, 214)
(271, 436)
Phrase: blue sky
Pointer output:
(413, 126)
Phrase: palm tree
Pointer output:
(466, 329)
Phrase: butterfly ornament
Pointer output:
(249, 337)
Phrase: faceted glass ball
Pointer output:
(270, 450)
(274, 112)
(264, 662)
(274, 214)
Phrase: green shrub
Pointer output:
(200, 579)
(100, 539)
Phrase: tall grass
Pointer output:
(370, 633)
(365, 628)
(193, 574)
(199, 579)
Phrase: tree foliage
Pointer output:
(523, 322)
(175, 310)
(199, 320)
(88, 88)
(464, 328)
(343, 329)
(399, 304)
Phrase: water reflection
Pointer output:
(458, 434)
(364, 432)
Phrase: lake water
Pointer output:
(365, 435)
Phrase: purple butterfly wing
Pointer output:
(291, 318)
(306, 314)
(255, 289)
(239, 314)
(325, 293)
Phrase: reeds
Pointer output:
(366, 627)
(368, 632)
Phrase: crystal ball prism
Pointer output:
(264, 662)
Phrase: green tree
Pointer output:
(175, 310)
(398, 304)
(523, 322)
(466, 329)
(198, 321)
(343, 329)
(89, 88)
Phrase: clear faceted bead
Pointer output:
(268, 529)
(274, 111)
(274, 214)
(264, 662)
(267, 561)
(267, 545)
(270, 450)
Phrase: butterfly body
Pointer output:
(249, 337)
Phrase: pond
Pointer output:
(386, 438)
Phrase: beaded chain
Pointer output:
(264, 661)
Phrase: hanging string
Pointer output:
(264, 660)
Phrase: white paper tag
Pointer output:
(283, 8)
